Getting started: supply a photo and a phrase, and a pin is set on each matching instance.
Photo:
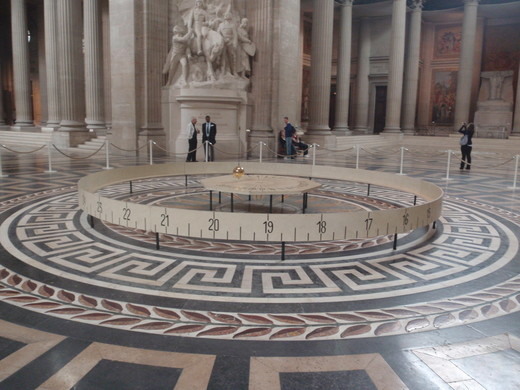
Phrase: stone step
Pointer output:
(15, 138)
(94, 143)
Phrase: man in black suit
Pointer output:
(209, 133)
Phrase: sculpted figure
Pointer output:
(228, 30)
(247, 49)
(197, 19)
(179, 53)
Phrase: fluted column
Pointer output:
(516, 122)
(411, 80)
(262, 72)
(51, 56)
(321, 60)
(362, 84)
(343, 77)
(396, 68)
(22, 82)
(467, 54)
(93, 65)
(70, 55)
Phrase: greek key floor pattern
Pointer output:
(98, 307)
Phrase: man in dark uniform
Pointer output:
(209, 133)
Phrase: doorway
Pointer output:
(380, 109)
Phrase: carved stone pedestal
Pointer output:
(493, 119)
(227, 108)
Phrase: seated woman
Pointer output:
(297, 145)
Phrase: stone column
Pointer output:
(467, 54)
(343, 77)
(154, 51)
(321, 64)
(516, 121)
(362, 84)
(93, 65)
(51, 56)
(411, 81)
(262, 36)
(396, 68)
(22, 82)
(72, 100)
(2, 114)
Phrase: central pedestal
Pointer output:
(227, 108)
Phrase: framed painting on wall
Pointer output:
(444, 90)
(448, 41)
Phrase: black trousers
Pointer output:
(466, 156)
(192, 150)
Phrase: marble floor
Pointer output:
(101, 307)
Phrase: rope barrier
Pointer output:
(78, 158)
(379, 154)
(488, 166)
(337, 150)
(19, 152)
(128, 150)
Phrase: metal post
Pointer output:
(206, 148)
(1, 173)
(357, 156)
(314, 146)
(219, 197)
(131, 188)
(261, 150)
(210, 200)
(50, 160)
(157, 245)
(185, 180)
(270, 203)
(517, 157)
(415, 200)
(151, 152)
(449, 163)
(402, 160)
(283, 250)
(368, 190)
(395, 241)
(107, 150)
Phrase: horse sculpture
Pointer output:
(212, 49)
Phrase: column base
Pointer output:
(341, 130)
(408, 131)
(71, 139)
(392, 130)
(19, 124)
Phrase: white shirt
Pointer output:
(191, 130)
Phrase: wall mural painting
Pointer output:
(443, 96)
(447, 41)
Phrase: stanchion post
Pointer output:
(107, 153)
(261, 150)
(206, 148)
(357, 156)
(517, 157)
(449, 163)
(1, 173)
(50, 159)
(314, 147)
(151, 152)
(402, 160)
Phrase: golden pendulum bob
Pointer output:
(238, 171)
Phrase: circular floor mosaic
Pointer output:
(200, 288)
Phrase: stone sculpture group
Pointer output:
(212, 46)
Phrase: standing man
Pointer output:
(192, 140)
(289, 132)
(209, 133)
